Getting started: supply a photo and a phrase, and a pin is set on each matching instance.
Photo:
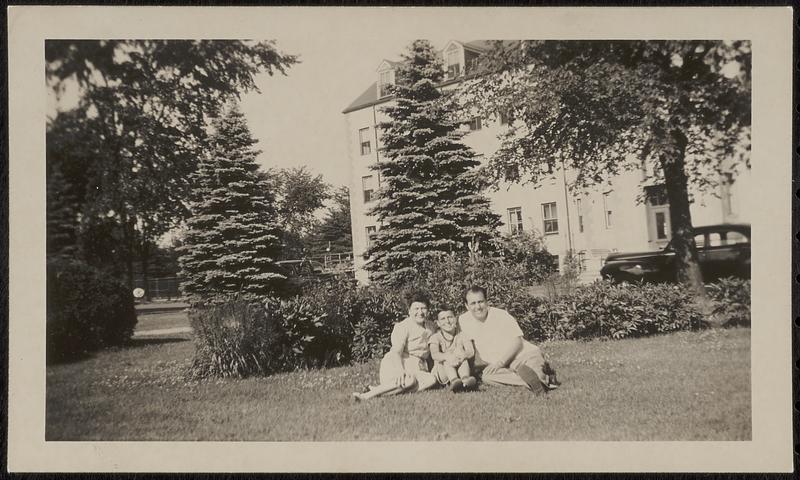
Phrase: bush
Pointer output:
(86, 310)
(446, 279)
(606, 310)
(732, 296)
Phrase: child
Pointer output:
(451, 353)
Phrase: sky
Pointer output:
(298, 118)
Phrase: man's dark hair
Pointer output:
(416, 296)
(475, 289)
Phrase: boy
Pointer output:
(451, 353)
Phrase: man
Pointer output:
(505, 357)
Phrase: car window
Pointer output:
(734, 238)
(715, 239)
(699, 240)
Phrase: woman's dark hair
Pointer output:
(475, 289)
(416, 296)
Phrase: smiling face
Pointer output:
(419, 312)
(477, 306)
(446, 320)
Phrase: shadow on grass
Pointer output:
(132, 343)
(146, 342)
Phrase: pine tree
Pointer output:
(232, 237)
(430, 201)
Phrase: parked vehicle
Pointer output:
(722, 251)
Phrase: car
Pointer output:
(722, 250)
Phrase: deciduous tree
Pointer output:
(142, 114)
(603, 107)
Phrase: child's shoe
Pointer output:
(456, 385)
(469, 383)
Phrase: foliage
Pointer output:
(62, 219)
(232, 239)
(606, 310)
(299, 196)
(241, 338)
(528, 250)
(86, 310)
(335, 230)
(131, 143)
(430, 200)
(604, 107)
(732, 296)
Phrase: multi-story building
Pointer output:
(592, 223)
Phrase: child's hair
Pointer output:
(444, 308)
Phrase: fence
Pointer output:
(334, 262)
(168, 287)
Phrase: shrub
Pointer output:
(375, 314)
(732, 296)
(603, 309)
(446, 279)
(86, 310)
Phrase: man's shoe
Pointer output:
(456, 385)
(469, 383)
(552, 381)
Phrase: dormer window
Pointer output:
(452, 60)
(385, 79)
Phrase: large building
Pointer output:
(592, 223)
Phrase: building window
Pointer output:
(453, 62)
(475, 124)
(504, 117)
(607, 210)
(515, 220)
(578, 207)
(363, 138)
(368, 186)
(385, 81)
(371, 230)
(550, 216)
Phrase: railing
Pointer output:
(334, 262)
(168, 287)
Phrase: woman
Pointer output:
(404, 368)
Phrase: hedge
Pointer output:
(340, 323)
(86, 310)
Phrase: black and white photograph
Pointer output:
(400, 239)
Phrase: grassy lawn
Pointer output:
(158, 321)
(684, 386)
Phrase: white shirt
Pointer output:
(492, 336)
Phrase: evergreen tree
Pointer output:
(232, 237)
(430, 201)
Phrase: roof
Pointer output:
(480, 45)
(370, 95)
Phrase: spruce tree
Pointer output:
(430, 201)
(232, 238)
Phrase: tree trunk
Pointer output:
(687, 267)
(128, 248)
(145, 262)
